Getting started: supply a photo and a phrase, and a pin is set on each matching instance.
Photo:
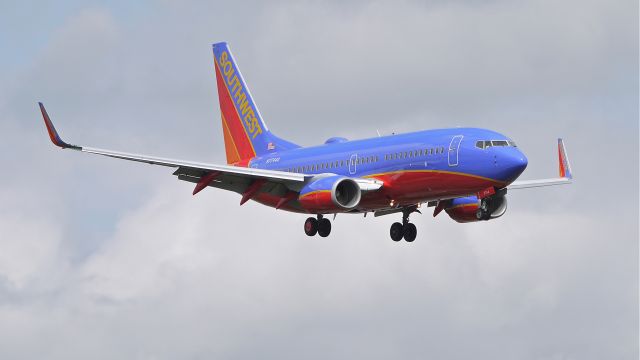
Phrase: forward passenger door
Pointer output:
(454, 148)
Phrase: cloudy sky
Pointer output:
(107, 259)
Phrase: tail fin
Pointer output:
(245, 133)
(563, 161)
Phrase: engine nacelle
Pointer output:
(333, 193)
(466, 209)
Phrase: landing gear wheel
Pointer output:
(324, 227)
(311, 226)
(396, 231)
(409, 232)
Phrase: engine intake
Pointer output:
(346, 193)
(333, 193)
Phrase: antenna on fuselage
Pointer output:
(378, 133)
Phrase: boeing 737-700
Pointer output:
(465, 172)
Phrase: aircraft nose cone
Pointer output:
(516, 163)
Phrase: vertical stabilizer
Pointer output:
(245, 133)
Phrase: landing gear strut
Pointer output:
(320, 226)
(405, 230)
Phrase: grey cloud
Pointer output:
(104, 259)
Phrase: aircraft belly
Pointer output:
(411, 187)
(404, 188)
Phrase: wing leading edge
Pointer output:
(564, 173)
(244, 180)
(184, 166)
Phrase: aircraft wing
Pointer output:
(243, 180)
(564, 170)
(225, 175)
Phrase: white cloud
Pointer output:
(103, 259)
(31, 243)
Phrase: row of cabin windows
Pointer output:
(365, 160)
(415, 153)
(334, 164)
(485, 144)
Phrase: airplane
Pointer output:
(465, 172)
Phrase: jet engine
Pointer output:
(470, 209)
(328, 194)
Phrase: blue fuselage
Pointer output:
(436, 150)
(417, 166)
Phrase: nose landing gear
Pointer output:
(405, 230)
(320, 226)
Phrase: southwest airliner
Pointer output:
(465, 172)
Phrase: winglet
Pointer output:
(563, 161)
(53, 134)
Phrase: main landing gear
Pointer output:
(320, 226)
(405, 230)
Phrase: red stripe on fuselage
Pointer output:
(411, 187)
(403, 187)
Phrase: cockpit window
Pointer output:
(485, 144)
